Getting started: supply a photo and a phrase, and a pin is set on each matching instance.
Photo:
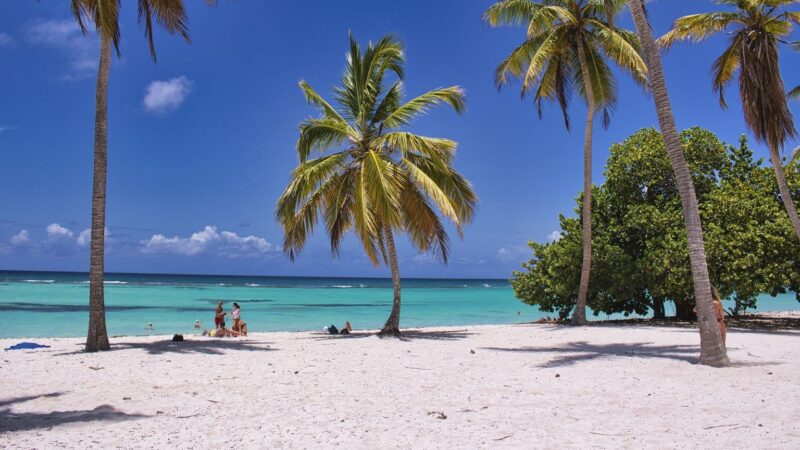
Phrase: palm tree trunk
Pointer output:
(97, 338)
(783, 187)
(712, 348)
(392, 325)
(579, 315)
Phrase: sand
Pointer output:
(510, 386)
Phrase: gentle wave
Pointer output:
(38, 281)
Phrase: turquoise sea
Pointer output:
(39, 304)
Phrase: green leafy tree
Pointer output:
(712, 347)
(104, 14)
(565, 50)
(643, 260)
(372, 176)
(755, 27)
(751, 246)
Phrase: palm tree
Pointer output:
(373, 176)
(756, 27)
(712, 348)
(105, 16)
(563, 51)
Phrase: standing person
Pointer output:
(236, 315)
(219, 316)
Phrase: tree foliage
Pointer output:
(640, 245)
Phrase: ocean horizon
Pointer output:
(55, 304)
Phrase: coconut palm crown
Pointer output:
(361, 169)
(548, 61)
(755, 29)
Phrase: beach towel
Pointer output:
(27, 346)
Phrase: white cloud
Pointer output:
(166, 96)
(6, 41)
(512, 253)
(209, 241)
(6, 128)
(85, 237)
(56, 231)
(20, 239)
(66, 36)
(554, 236)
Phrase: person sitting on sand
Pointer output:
(219, 316)
(236, 316)
(347, 328)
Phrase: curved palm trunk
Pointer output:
(783, 187)
(392, 325)
(579, 315)
(97, 338)
(712, 348)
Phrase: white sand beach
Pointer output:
(515, 386)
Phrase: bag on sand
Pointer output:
(177, 338)
(333, 330)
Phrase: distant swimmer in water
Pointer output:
(197, 324)
(149, 326)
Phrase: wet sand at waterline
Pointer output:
(508, 386)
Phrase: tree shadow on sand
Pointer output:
(208, 346)
(405, 335)
(26, 421)
(584, 351)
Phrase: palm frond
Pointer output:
(313, 98)
(437, 149)
(321, 135)
(794, 93)
(726, 66)
(697, 27)
(425, 230)
(169, 14)
(104, 14)
(402, 115)
(622, 46)
(511, 12)
(795, 156)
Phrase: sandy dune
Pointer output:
(518, 386)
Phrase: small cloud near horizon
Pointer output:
(209, 241)
(20, 239)
(162, 97)
(66, 36)
(56, 231)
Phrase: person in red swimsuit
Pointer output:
(219, 316)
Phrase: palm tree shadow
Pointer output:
(442, 335)
(208, 346)
(584, 351)
(405, 335)
(26, 421)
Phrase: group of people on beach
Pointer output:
(238, 326)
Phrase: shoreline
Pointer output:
(785, 320)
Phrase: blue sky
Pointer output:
(201, 144)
